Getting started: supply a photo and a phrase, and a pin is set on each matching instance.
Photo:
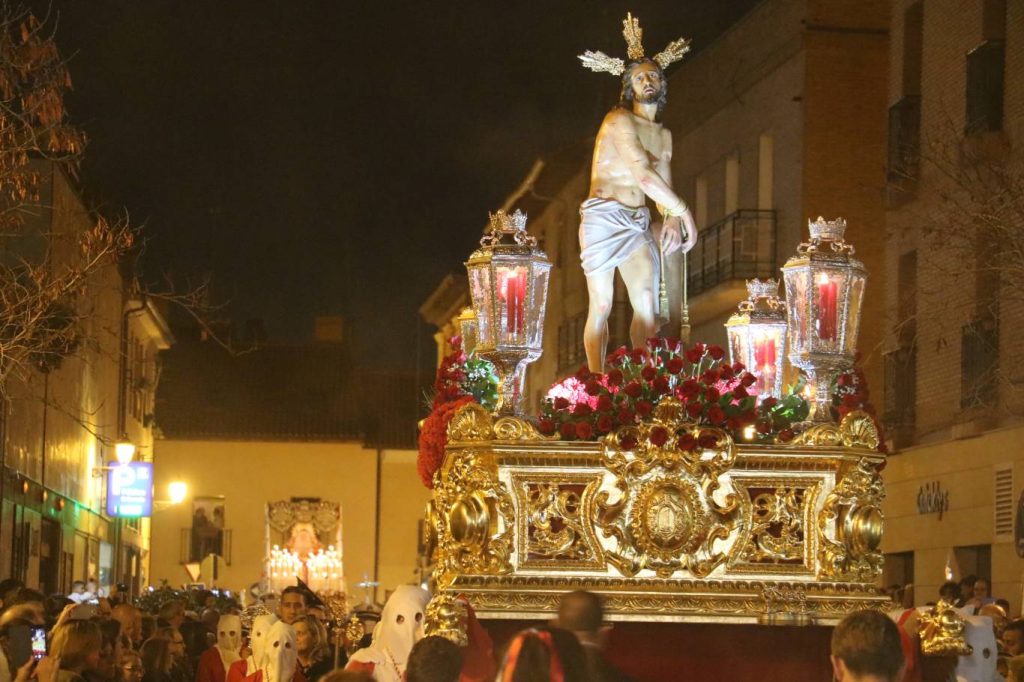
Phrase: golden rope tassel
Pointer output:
(663, 315)
(684, 317)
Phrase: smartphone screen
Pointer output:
(38, 643)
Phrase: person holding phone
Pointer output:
(79, 644)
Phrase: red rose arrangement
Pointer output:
(460, 379)
(712, 391)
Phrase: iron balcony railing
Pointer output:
(196, 545)
(901, 395)
(740, 246)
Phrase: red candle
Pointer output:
(764, 361)
(828, 297)
(513, 292)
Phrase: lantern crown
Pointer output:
(502, 223)
(768, 288)
(827, 230)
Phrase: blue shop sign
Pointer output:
(130, 490)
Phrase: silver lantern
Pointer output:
(757, 336)
(824, 295)
(508, 282)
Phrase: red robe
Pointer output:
(211, 667)
(236, 673)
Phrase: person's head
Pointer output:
(544, 655)
(434, 659)
(172, 612)
(280, 657)
(258, 636)
(866, 648)
(1004, 605)
(1013, 637)
(130, 667)
(229, 633)
(8, 588)
(317, 612)
(644, 81)
(156, 656)
(967, 586)
(78, 587)
(310, 638)
(78, 644)
(582, 613)
(210, 618)
(22, 613)
(981, 589)
(292, 604)
(174, 639)
(950, 591)
(401, 621)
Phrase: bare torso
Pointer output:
(611, 176)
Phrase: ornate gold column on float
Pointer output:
(784, 530)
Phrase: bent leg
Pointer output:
(600, 290)
(638, 275)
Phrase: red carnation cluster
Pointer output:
(713, 392)
(851, 394)
(433, 436)
(451, 374)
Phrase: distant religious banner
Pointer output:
(130, 490)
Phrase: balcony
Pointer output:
(196, 546)
(901, 395)
(740, 246)
(904, 148)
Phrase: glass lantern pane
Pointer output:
(480, 291)
(827, 287)
(854, 304)
(797, 310)
(765, 355)
(510, 289)
(737, 348)
(538, 304)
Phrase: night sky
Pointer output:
(336, 157)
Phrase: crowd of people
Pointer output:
(204, 639)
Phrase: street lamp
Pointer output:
(124, 451)
(509, 287)
(178, 490)
(757, 336)
(824, 294)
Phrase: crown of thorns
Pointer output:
(631, 31)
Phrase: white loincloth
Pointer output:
(610, 232)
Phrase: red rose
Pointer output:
(844, 380)
(739, 392)
(615, 377)
(712, 395)
(561, 403)
(638, 355)
(644, 407)
(733, 423)
(605, 424)
(568, 430)
(655, 343)
(748, 379)
(690, 388)
(658, 436)
(593, 387)
(626, 416)
(715, 415)
(648, 373)
(693, 356)
(738, 367)
(686, 442)
(695, 409)
(786, 435)
(711, 376)
(546, 426)
(581, 410)
(584, 430)
(583, 373)
(851, 401)
(716, 352)
(627, 442)
(769, 402)
(633, 389)
(604, 403)
(764, 427)
(661, 384)
(675, 365)
(726, 372)
(700, 347)
(672, 344)
(706, 439)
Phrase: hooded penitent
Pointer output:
(280, 656)
(257, 640)
(400, 627)
(229, 639)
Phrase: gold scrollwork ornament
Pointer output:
(854, 509)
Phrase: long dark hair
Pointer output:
(626, 96)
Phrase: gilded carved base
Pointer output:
(727, 532)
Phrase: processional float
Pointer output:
(777, 530)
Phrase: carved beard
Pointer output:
(644, 97)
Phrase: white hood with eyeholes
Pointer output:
(280, 655)
(257, 641)
(229, 639)
(400, 627)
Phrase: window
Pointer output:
(985, 87)
(898, 569)
(974, 560)
(979, 363)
